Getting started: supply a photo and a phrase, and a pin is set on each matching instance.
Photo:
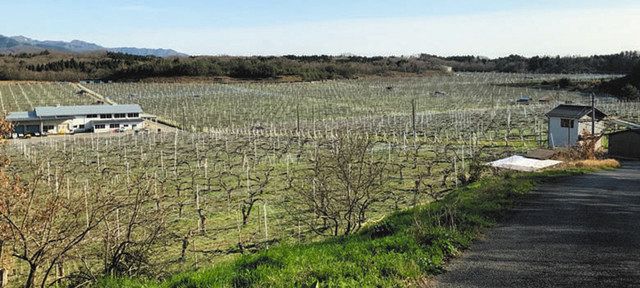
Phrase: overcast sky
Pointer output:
(252, 27)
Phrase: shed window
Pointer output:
(47, 127)
(566, 123)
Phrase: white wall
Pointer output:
(585, 126)
(77, 121)
(139, 125)
(565, 137)
(562, 136)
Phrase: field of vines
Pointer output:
(257, 164)
(23, 96)
(200, 107)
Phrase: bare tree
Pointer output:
(138, 227)
(41, 225)
(344, 180)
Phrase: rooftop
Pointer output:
(574, 112)
(637, 131)
(69, 111)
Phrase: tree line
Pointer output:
(125, 67)
(625, 88)
(621, 63)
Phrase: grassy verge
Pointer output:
(396, 251)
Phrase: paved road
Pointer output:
(580, 232)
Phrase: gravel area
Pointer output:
(581, 231)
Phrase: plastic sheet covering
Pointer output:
(520, 163)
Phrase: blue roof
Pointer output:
(69, 111)
(86, 109)
(21, 116)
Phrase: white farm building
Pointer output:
(72, 119)
(569, 124)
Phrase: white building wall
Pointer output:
(80, 123)
(76, 122)
(585, 126)
(562, 136)
(123, 125)
(566, 137)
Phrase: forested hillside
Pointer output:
(626, 88)
(621, 63)
(56, 66)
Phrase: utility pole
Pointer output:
(593, 115)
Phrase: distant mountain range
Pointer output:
(21, 44)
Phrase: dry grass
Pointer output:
(596, 163)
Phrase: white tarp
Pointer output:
(520, 163)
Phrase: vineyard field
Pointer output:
(242, 172)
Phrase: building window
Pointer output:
(119, 115)
(81, 126)
(133, 115)
(92, 116)
(566, 123)
(47, 127)
(116, 125)
(98, 126)
(105, 116)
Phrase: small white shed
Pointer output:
(569, 123)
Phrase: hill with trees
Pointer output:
(626, 88)
(621, 63)
(60, 66)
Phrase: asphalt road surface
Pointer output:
(579, 232)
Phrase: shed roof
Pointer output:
(637, 131)
(574, 112)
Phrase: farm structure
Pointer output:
(625, 144)
(568, 124)
(72, 119)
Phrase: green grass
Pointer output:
(396, 251)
